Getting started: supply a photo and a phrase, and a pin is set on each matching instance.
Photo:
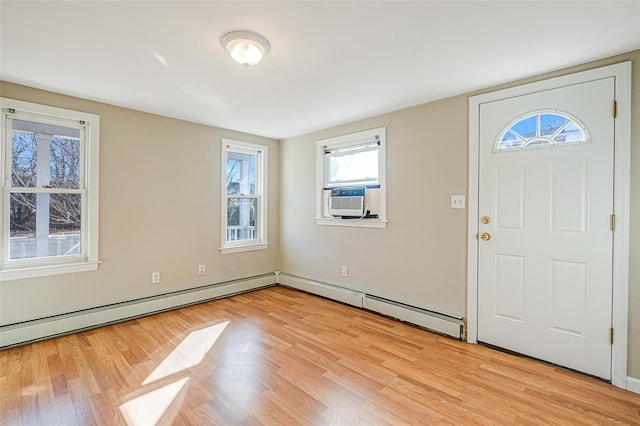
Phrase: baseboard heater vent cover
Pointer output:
(434, 321)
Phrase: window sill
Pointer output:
(248, 247)
(47, 270)
(357, 223)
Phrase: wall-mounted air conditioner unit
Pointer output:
(347, 202)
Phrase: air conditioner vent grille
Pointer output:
(347, 202)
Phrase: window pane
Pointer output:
(241, 172)
(571, 133)
(24, 148)
(509, 140)
(45, 155)
(526, 127)
(549, 123)
(44, 225)
(356, 167)
(241, 218)
(64, 163)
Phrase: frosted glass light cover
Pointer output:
(245, 48)
(245, 52)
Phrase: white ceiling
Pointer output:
(330, 62)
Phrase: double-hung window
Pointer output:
(49, 202)
(244, 203)
(351, 179)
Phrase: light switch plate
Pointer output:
(457, 201)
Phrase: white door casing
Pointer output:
(550, 198)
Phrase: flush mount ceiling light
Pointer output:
(245, 47)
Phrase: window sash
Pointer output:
(356, 153)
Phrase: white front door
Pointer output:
(545, 203)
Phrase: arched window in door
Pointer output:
(541, 129)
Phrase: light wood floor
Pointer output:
(278, 356)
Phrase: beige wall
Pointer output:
(421, 256)
(418, 258)
(159, 211)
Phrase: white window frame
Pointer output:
(261, 153)
(90, 126)
(341, 142)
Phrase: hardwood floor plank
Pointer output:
(280, 356)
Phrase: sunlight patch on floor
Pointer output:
(189, 353)
(148, 409)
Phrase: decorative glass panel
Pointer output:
(550, 123)
(525, 127)
(541, 129)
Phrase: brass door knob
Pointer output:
(485, 236)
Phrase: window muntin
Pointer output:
(244, 183)
(49, 203)
(543, 128)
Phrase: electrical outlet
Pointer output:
(202, 269)
(457, 201)
(345, 271)
(155, 277)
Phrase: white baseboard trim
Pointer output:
(433, 321)
(44, 328)
(633, 384)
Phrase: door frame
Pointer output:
(621, 205)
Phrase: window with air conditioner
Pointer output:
(351, 179)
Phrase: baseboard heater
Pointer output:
(340, 294)
(435, 321)
(56, 325)
(431, 320)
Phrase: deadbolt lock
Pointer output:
(485, 236)
(485, 220)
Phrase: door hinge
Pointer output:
(615, 109)
(613, 222)
(611, 335)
